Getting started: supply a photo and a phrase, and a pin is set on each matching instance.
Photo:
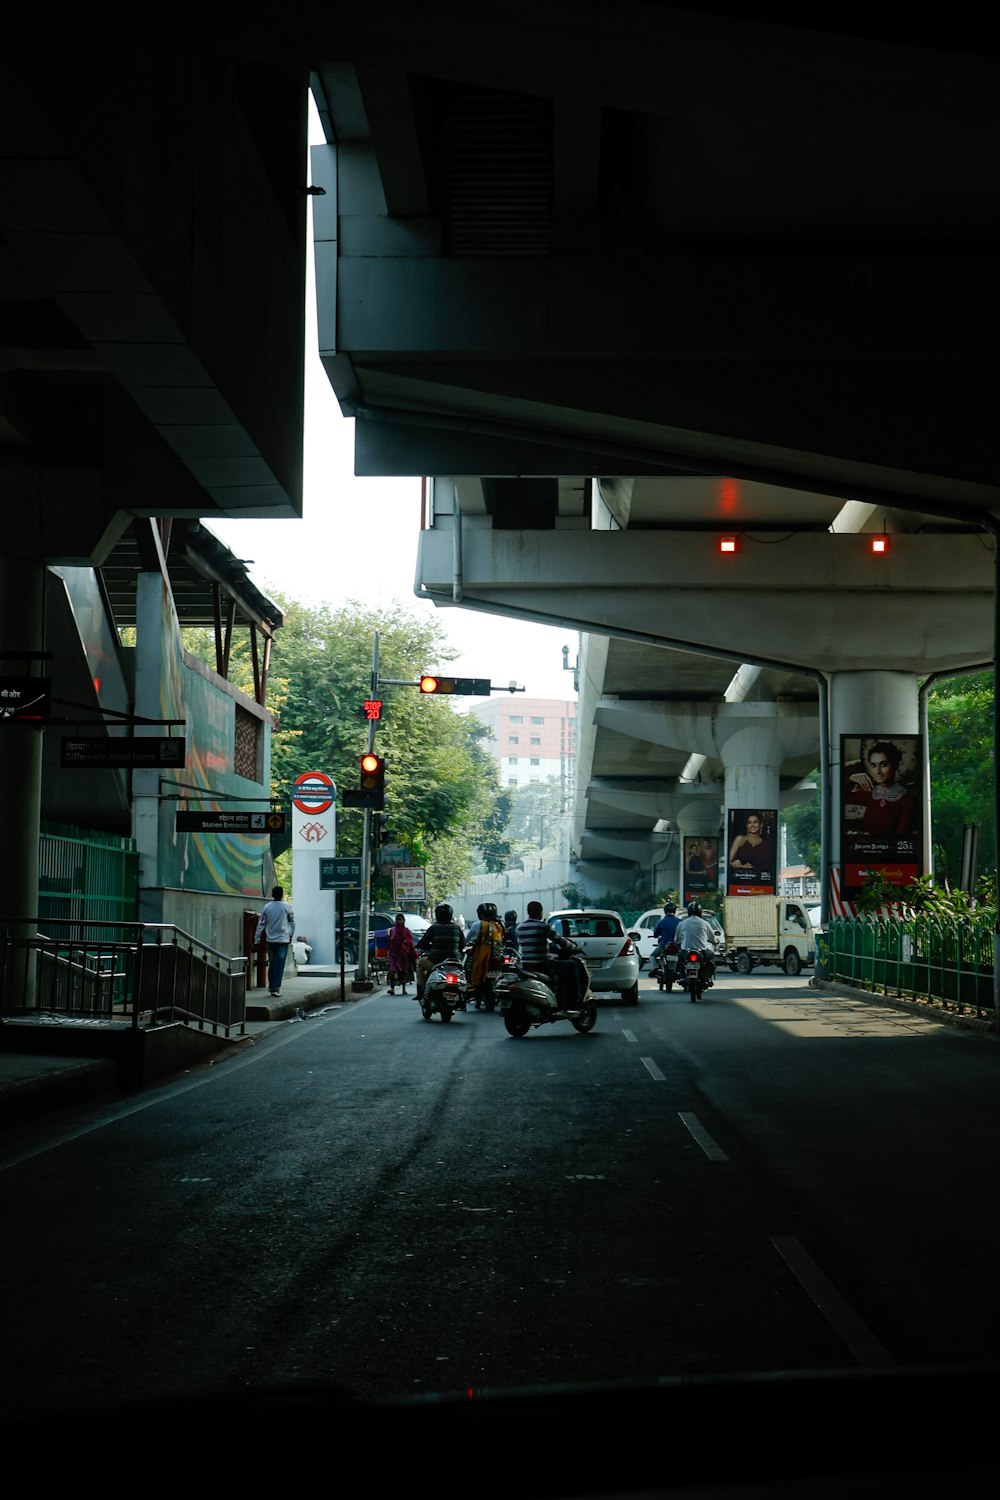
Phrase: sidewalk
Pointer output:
(33, 1084)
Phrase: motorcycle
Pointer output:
(444, 992)
(696, 977)
(665, 968)
(527, 998)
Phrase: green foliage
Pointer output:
(960, 726)
(804, 825)
(442, 792)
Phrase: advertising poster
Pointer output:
(753, 852)
(881, 810)
(701, 867)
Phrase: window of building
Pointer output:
(536, 739)
(516, 719)
(512, 781)
(534, 761)
(538, 718)
(513, 739)
(512, 760)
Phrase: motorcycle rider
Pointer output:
(693, 932)
(510, 930)
(534, 937)
(440, 943)
(665, 930)
(486, 936)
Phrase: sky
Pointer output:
(357, 539)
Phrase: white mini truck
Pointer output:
(768, 930)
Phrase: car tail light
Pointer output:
(628, 949)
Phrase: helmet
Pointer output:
(693, 909)
(443, 913)
(670, 907)
(510, 919)
(487, 911)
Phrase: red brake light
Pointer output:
(451, 978)
(627, 950)
(694, 958)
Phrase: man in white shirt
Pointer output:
(277, 923)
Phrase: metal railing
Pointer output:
(948, 960)
(131, 973)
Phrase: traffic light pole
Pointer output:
(366, 846)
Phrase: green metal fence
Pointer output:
(944, 959)
(86, 876)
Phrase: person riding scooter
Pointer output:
(534, 937)
(441, 943)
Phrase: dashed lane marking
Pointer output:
(653, 1070)
(866, 1348)
(701, 1135)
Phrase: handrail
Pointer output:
(149, 974)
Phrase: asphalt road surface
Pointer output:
(773, 1179)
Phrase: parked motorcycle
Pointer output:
(696, 976)
(527, 998)
(665, 968)
(444, 992)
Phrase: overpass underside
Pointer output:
(624, 287)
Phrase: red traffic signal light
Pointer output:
(472, 687)
(371, 792)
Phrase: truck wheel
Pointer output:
(743, 965)
(793, 963)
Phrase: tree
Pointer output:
(442, 790)
(960, 731)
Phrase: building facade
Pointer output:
(533, 738)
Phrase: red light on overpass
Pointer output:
(727, 544)
(879, 545)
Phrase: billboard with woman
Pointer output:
(881, 813)
(751, 865)
(701, 867)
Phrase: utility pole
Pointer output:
(366, 844)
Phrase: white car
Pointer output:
(610, 952)
(647, 942)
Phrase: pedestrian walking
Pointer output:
(277, 923)
(402, 954)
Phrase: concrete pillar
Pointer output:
(22, 630)
(866, 703)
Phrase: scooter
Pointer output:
(665, 967)
(527, 998)
(444, 992)
(696, 977)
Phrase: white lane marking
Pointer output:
(210, 1075)
(701, 1135)
(869, 1353)
(628, 1035)
(653, 1070)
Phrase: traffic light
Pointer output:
(382, 834)
(371, 788)
(373, 779)
(472, 687)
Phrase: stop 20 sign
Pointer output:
(313, 792)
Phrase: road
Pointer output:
(773, 1179)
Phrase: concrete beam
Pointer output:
(808, 600)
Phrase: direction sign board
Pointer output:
(145, 752)
(340, 873)
(230, 822)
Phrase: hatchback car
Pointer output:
(611, 955)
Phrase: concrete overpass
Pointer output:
(621, 282)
